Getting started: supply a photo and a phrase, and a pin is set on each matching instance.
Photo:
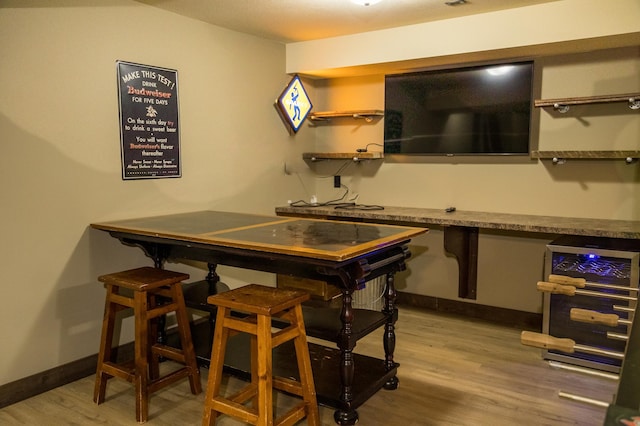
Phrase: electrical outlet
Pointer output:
(336, 181)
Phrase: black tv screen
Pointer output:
(483, 110)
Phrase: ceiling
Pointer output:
(302, 20)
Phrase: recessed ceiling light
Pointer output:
(365, 2)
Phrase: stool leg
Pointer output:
(141, 360)
(185, 340)
(304, 368)
(218, 349)
(154, 360)
(254, 370)
(106, 342)
(265, 373)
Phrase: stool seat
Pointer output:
(144, 279)
(258, 299)
(261, 303)
(145, 284)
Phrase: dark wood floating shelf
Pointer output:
(557, 156)
(355, 156)
(367, 114)
(633, 99)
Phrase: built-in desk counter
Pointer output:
(461, 229)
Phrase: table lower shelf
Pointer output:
(321, 318)
(370, 374)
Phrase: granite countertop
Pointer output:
(504, 221)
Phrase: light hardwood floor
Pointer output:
(453, 371)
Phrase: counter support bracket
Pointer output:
(462, 242)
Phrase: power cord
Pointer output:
(366, 148)
(303, 203)
(354, 206)
(339, 203)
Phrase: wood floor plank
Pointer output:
(453, 371)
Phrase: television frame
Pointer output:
(515, 102)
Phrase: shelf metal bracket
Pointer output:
(562, 109)
(366, 118)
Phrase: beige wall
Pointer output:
(60, 163)
(60, 157)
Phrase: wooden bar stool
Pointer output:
(145, 283)
(262, 303)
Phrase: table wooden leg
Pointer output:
(389, 337)
(346, 415)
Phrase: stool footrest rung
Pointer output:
(168, 352)
(116, 370)
(244, 325)
(287, 315)
(121, 300)
(168, 379)
(292, 416)
(287, 385)
(230, 408)
(244, 394)
(163, 291)
(162, 310)
(285, 335)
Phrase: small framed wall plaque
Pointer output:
(294, 104)
(149, 126)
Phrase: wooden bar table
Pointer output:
(344, 254)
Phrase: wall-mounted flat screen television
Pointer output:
(481, 110)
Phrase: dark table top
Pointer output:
(313, 238)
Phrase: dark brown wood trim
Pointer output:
(44, 381)
(503, 316)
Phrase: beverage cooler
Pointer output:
(611, 269)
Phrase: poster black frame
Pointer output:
(149, 121)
